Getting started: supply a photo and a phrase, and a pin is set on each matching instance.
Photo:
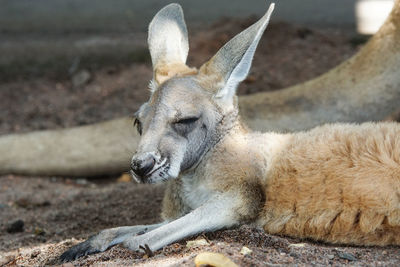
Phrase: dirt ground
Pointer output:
(41, 217)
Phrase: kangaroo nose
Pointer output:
(142, 167)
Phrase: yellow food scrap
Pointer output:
(213, 259)
(124, 178)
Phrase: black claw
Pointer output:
(77, 251)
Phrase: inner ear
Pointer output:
(168, 44)
(230, 66)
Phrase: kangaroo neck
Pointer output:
(227, 124)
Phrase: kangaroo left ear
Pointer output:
(168, 44)
(224, 71)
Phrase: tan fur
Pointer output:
(164, 72)
(337, 183)
(209, 78)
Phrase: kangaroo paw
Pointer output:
(82, 249)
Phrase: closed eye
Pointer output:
(185, 126)
(187, 120)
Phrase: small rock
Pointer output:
(81, 181)
(81, 78)
(330, 256)
(347, 256)
(197, 243)
(299, 245)
(15, 227)
(245, 251)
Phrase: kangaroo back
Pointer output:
(339, 184)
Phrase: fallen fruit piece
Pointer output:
(124, 178)
(213, 259)
(245, 251)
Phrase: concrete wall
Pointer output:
(47, 37)
(60, 16)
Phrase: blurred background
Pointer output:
(72, 62)
(50, 36)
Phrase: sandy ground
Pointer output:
(42, 217)
(59, 212)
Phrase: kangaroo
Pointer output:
(337, 183)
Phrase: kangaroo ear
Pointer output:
(168, 43)
(223, 72)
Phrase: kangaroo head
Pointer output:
(189, 110)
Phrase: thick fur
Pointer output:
(336, 183)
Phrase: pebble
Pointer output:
(347, 256)
(330, 256)
(81, 78)
(197, 243)
(299, 245)
(15, 227)
(81, 181)
(245, 251)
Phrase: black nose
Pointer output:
(142, 167)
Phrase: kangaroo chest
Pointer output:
(195, 192)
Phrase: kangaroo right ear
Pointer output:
(224, 71)
(168, 44)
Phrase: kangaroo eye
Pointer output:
(187, 120)
(185, 126)
(138, 125)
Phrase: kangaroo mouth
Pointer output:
(158, 174)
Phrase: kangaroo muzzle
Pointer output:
(141, 167)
